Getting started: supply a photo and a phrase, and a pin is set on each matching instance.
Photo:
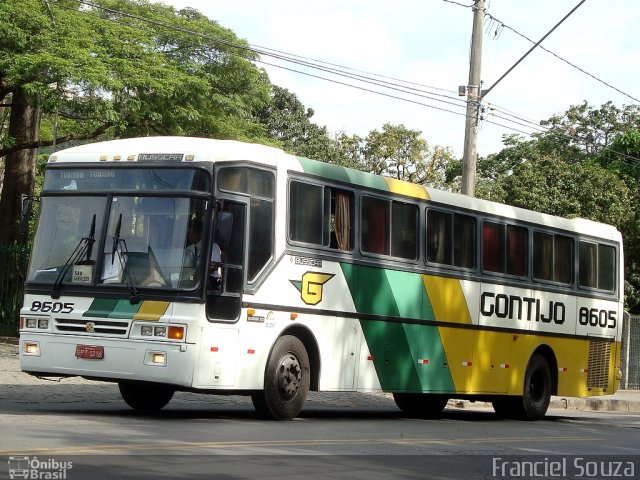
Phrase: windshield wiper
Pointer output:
(120, 246)
(84, 247)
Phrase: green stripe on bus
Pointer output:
(101, 307)
(407, 357)
(124, 309)
(343, 174)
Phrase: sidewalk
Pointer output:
(622, 401)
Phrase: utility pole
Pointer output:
(470, 154)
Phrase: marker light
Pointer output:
(176, 333)
(159, 358)
(31, 348)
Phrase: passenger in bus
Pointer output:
(193, 249)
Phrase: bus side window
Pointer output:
(404, 230)
(596, 266)
(439, 233)
(375, 225)
(341, 219)
(552, 257)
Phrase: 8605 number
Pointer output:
(53, 307)
(595, 317)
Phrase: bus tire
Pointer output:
(421, 405)
(286, 380)
(537, 388)
(536, 395)
(145, 396)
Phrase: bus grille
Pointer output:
(599, 356)
(92, 326)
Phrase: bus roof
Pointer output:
(192, 149)
(167, 149)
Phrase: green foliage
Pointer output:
(288, 121)
(122, 76)
(569, 190)
(583, 131)
(397, 152)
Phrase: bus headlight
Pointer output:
(34, 322)
(160, 332)
(169, 332)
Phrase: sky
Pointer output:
(427, 42)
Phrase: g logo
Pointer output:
(311, 286)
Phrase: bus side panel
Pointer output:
(406, 356)
(449, 299)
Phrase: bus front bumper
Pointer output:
(106, 358)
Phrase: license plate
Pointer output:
(92, 352)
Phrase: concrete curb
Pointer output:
(10, 340)
(596, 404)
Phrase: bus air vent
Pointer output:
(599, 356)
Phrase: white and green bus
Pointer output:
(187, 264)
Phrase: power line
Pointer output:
(504, 25)
(532, 48)
(310, 64)
(285, 56)
(561, 58)
(361, 88)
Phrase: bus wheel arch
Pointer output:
(539, 383)
(287, 378)
(311, 345)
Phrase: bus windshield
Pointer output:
(118, 239)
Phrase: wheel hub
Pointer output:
(289, 375)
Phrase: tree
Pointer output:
(583, 131)
(93, 72)
(401, 153)
(288, 121)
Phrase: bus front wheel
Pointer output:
(144, 396)
(286, 380)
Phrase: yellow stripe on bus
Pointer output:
(449, 305)
(447, 299)
(406, 188)
(151, 310)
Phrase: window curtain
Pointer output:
(343, 221)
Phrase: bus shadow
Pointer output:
(103, 399)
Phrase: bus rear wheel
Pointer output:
(286, 380)
(536, 395)
(145, 396)
(421, 405)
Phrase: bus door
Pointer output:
(226, 276)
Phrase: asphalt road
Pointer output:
(79, 429)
